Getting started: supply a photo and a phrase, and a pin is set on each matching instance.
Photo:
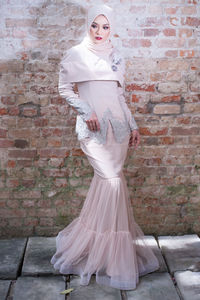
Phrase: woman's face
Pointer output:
(99, 29)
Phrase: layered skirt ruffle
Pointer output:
(105, 240)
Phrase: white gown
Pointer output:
(105, 239)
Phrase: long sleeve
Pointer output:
(129, 115)
(65, 89)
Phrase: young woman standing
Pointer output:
(105, 239)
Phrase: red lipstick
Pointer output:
(98, 38)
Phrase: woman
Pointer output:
(104, 239)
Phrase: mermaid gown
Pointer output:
(104, 239)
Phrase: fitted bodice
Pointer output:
(102, 95)
(103, 98)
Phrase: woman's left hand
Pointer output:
(134, 138)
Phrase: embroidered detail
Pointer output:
(115, 60)
(120, 128)
(82, 107)
(132, 123)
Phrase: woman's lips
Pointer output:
(98, 38)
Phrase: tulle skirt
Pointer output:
(104, 239)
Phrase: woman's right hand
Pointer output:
(93, 122)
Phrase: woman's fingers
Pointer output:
(93, 125)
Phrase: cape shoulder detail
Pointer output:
(81, 64)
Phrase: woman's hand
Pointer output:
(93, 122)
(134, 138)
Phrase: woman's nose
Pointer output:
(98, 30)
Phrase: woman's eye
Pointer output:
(93, 26)
(105, 27)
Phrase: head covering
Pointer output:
(105, 47)
(91, 61)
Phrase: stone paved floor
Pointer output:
(26, 272)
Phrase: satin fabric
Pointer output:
(104, 239)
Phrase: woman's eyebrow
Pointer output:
(98, 24)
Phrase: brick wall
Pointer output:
(44, 176)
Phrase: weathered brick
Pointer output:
(172, 87)
(23, 153)
(169, 32)
(6, 143)
(44, 173)
(185, 131)
(142, 87)
(166, 109)
(20, 22)
(192, 108)
(153, 131)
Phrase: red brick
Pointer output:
(3, 133)
(3, 111)
(77, 152)
(191, 21)
(31, 221)
(41, 122)
(8, 100)
(24, 163)
(171, 10)
(13, 111)
(58, 153)
(169, 43)
(6, 143)
(11, 164)
(169, 32)
(183, 120)
(185, 32)
(54, 143)
(185, 131)
(51, 132)
(55, 172)
(135, 98)
(147, 131)
(171, 53)
(143, 87)
(166, 140)
(174, 98)
(12, 183)
(188, 10)
(29, 112)
(27, 194)
(46, 222)
(151, 32)
(23, 153)
(187, 53)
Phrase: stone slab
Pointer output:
(155, 286)
(92, 291)
(40, 288)
(188, 283)
(11, 254)
(151, 241)
(38, 255)
(4, 288)
(181, 252)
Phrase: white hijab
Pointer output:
(91, 61)
(105, 47)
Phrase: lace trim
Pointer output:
(120, 128)
(82, 107)
(133, 124)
